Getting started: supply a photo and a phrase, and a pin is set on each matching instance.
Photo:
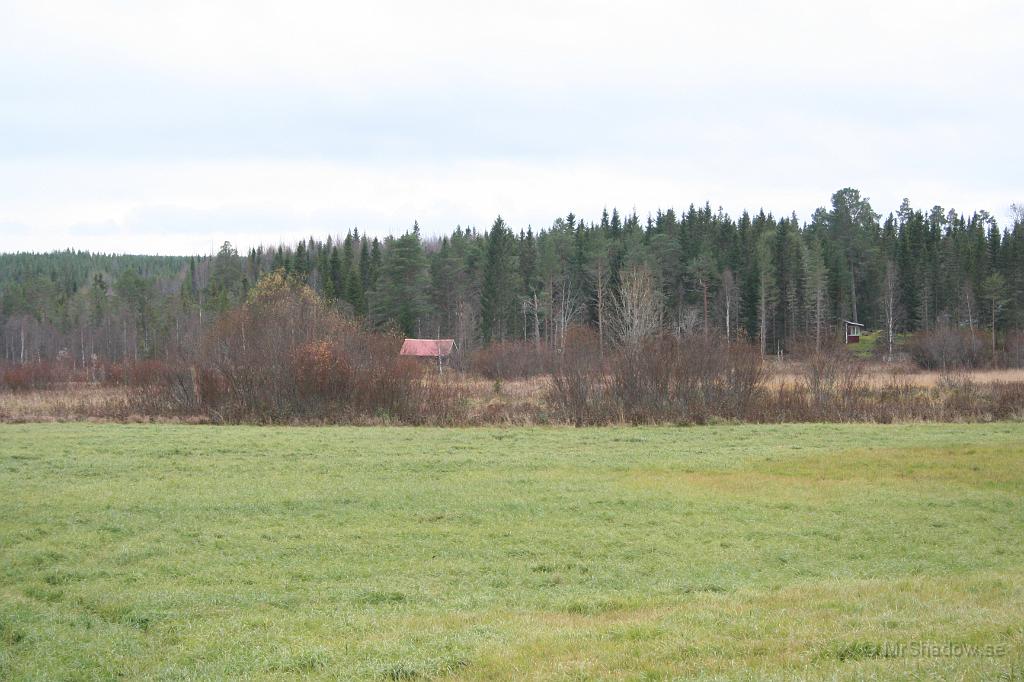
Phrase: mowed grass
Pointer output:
(734, 552)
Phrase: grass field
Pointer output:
(734, 552)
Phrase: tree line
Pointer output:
(773, 281)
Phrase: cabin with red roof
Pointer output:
(434, 349)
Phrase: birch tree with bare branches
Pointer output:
(890, 307)
(638, 312)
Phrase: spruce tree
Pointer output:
(498, 294)
(334, 282)
(364, 264)
(354, 294)
(401, 293)
(300, 268)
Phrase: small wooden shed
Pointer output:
(435, 349)
(853, 330)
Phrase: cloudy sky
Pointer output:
(167, 127)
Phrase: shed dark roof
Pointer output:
(427, 348)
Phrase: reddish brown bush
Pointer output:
(577, 378)
(833, 382)
(1008, 400)
(960, 396)
(387, 385)
(671, 379)
(1014, 354)
(286, 356)
(29, 376)
(210, 386)
(322, 370)
(948, 348)
(111, 374)
(147, 373)
(444, 400)
(642, 379)
(510, 360)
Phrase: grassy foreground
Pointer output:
(739, 552)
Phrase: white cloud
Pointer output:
(169, 126)
(191, 207)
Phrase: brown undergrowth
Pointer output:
(456, 398)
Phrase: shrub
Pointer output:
(322, 370)
(577, 378)
(286, 356)
(690, 379)
(1008, 400)
(147, 373)
(949, 348)
(961, 397)
(834, 384)
(111, 374)
(386, 384)
(510, 360)
(642, 379)
(29, 376)
(1014, 355)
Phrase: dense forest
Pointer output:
(773, 280)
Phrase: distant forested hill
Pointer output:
(770, 279)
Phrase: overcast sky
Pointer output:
(168, 127)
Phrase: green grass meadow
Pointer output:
(733, 552)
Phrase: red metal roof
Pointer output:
(427, 348)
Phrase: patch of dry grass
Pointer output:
(77, 401)
(880, 375)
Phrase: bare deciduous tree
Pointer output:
(601, 277)
(1017, 213)
(637, 308)
(994, 291)
(890, 306)
(815, 283)
(730, 296)
(967, 307)
(568, 312)
(688, 320)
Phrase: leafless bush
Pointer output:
(510, 360)
(897, 399)
(782, 404)
(961, 397)
(743, 380)
(577, 378)
(157, 388)
(285, 356)
(444, 401)
(1007, 400)
(386, 385)
(111, 374)
(717, 380)
(322, 370)
(28, 376)
(693, 379)
(834, 384)
(948, 348)
(1014, 355)
(42, 375)
(642, 379)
